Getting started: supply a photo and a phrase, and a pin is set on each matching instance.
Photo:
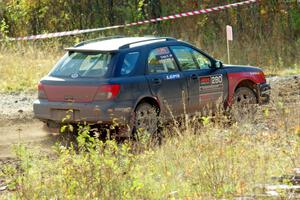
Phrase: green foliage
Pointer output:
(101, 170)
(207, 161)
(3, 29)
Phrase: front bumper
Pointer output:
(264, 92)
(96, 112)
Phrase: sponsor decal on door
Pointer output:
(210, 87)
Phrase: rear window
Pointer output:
(81, 64)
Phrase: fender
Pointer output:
(234, 79)
(141, 98)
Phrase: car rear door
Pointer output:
(206, 85)
(166, 81)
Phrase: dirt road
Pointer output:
(18, 126)
(31, 132)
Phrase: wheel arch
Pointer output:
(246, 83)
(147, 99)
(249, 84)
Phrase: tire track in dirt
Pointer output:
(31, 132)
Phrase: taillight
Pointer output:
(41, 91)
(107, 92)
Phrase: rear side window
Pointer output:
(129, 62)
(81, 64)
(161, 60)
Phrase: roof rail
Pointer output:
(147, 40)
(98, 39)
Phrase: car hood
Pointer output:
(241, 68)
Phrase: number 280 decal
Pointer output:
(218, 79)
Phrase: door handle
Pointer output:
(156, 81)
(194, 76)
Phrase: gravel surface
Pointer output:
(19, 105)
(287, 88)
(16, 105)
(277, 79)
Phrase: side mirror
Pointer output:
(218, 64)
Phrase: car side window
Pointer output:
(190, 59)
(129, 62)
(185, 58)
(161, 60)
(202, 61)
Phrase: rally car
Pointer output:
(136, 80)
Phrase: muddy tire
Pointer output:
(146, 120)
(244, 96)
(244, 104)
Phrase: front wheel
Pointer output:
(244, 96)
(244, 103)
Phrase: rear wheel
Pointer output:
(146, 121)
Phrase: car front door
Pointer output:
(205, 84)
(166, 81)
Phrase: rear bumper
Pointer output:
(96, 112)
(264, 92)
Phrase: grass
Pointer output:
(294, 70)
(22, 68)
(204, 158)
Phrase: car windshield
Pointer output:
(82, 64)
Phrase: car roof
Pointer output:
(110, 44)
